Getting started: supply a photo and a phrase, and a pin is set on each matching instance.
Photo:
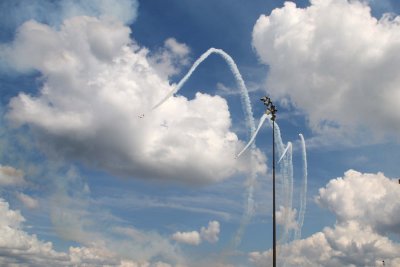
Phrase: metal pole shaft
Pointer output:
(273, 195)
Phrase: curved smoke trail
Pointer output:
(246, 104)
(262, 120)
(285, 151)
(286, 167)
(238, 77)
(303, 193)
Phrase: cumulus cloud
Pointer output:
(143, 246)
(334, 61)
(136, 249)
(77, 217)
(169, 60)
(190, 238)
(18, 248)
(10, 176)
(287, 216)
(344, 245)
(96, 84)
(370, 198)
(357, 238)
(209, 233)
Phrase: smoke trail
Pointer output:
(286, 167)
(250, 189)
(286, 181)
(246, 105)
(303, 193)
(287, 193)
(284, 152)
(238, 77)
(286, 171)
(289, 165)
(287, 178)
(262, 119)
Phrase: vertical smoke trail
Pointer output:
(303, 193)
(286, 181)
(246, 104)
(283, 182)
(250, 189)
(287, 177)
(287, 189)
(290, 184)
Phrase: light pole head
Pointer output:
(271, 109)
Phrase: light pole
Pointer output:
(271, 110)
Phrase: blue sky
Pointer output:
(87, 180)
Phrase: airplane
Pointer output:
(141, 116)
(164, 124)
(266, 100)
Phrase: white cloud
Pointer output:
(369, 198)
(143, 246)
(9, 217)
(179, 49)
(334, 61)
(357, 238)
(82, 256)
(28, 201)
(285, 215)
(18, 248)
(97, 82)
(345, 245)
(169, 60)
(211, 232)
(10, 176)
(190, 238)
(76, 217)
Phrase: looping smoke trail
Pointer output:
(286, 167)
(303, 193)
(246, 105)
(286, 171)
(238, 77)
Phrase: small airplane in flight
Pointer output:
(266, 100)
(164, 124)
(141, 116)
